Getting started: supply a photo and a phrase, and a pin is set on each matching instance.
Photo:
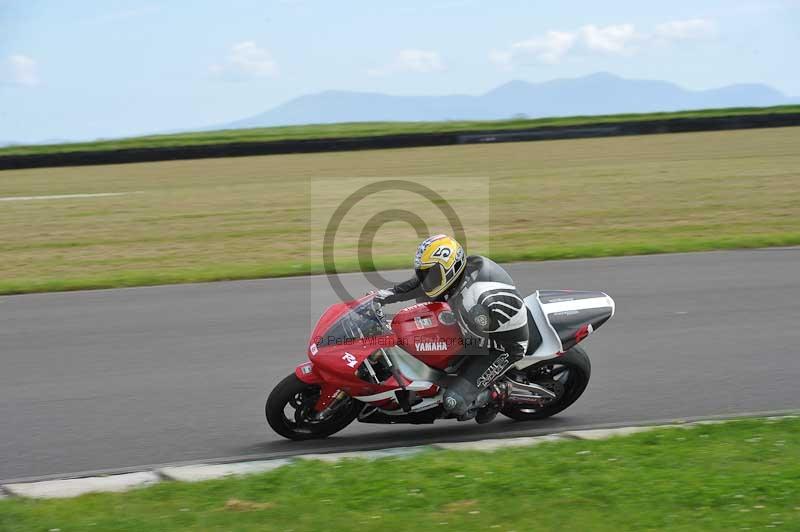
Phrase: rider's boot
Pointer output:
(497, 394)
(486, 414)
(476, 374)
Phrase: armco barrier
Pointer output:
(240, 149)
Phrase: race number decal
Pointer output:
(443, 252)
(350, 360)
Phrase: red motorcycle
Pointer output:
(363, 366)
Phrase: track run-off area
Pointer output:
(115, 379)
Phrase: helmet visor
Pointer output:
(431, 279)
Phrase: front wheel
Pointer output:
(566, 375)
(290, 411)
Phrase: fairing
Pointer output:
(566, 317)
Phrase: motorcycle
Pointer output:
(364, 366)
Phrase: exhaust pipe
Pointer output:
(528, 393)
(533, 388)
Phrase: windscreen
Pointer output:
(359, 322)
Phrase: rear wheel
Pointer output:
(290, 411)
(566, 376)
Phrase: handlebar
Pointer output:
(377, 310)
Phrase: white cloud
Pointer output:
(555, 45)
(419, 61)
(548, 49)
(20, 70)
(616, 39)
(609, 39)
(411, 60)
(696, 28)
(501, 58)
(246, 60)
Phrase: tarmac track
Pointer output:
(117, 379)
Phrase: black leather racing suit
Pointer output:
(493, 320)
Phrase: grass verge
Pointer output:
(742, 475)
(232, 272)
(371, 129)
(250, 217)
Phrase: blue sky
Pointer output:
(90, 69)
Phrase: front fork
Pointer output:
(329, 394)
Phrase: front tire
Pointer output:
(290, 411)
(576, 368)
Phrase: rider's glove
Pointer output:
(382, 295)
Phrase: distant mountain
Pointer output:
(9, 143)
(600, 93)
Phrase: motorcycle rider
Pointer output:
(490, 312)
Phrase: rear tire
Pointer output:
(296, 395)
(580, 369)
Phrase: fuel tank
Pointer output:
(429, 332)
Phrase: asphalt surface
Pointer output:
(124, 378)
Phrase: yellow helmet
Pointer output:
(439, 263)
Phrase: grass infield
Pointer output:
(741, 475)
(250, 217)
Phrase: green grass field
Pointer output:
(236, 218)
(742, 475)
(369, 129)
